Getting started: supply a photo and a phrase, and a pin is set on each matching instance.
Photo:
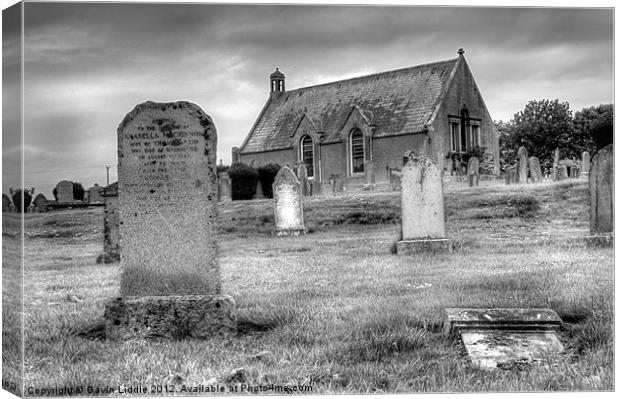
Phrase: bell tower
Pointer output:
(276, 83)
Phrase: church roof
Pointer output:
(396, 102)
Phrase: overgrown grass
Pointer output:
(335, 309)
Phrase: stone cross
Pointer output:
(585, 165)
(601, 182)
(167, 189)
(535, 172)
(64, 192)
(522, 155)
(288, 204)
(473, 171)
(422, 207)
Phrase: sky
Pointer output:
(88, 64)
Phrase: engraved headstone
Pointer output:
(225, 190)
(288, 204)
(422, 207)
(601, 184)
(167, 189)
(535, 172)
(6, 203)
(40, 203)
(64, 192)
(473, 171)
(94, 193)
(111, 233)
(585, 165)
(522, 158)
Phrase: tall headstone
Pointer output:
(302, 175)
(64, 192)
(258, 194)
(473, 171)
(288, 204)
(601, 182)
(562, 173)
(522, 155)
(40, 203)
(6, 203)
(585, 165)
(167, 188)
(556, 164)
(225, 189)
(511, 174)
(369, 172)
(94, 193)
(111, 233)
(535, 172)
(422, 207)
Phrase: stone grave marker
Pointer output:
(225, 189)
(562, 173)
(585, 165)
(511, 174)
(40, 203)
(94, 193)
(556, 164)
(288, 204)
(6, 203)
(167, 190)
(259, 191)
(369, 172)
(473, 171)
(337, 183)
(395, 179)
(522, 155)
(302, 176)
(502, 337)
(601, 184)
(111, 233)
(64, 192)
(422, 207)
(535, 172)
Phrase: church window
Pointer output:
(454, 137)
(307, 154)
(357, 151)
(475, 132)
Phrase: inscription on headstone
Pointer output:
(601, 184)
(167, 187)
(288, 204)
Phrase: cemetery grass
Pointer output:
(336, 310)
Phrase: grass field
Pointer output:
(336, 310)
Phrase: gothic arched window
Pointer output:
(307, 154)
(357, 151)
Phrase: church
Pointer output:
(363, 126)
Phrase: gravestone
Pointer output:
(288, 204)
(337, 183)
(64, 192)
(94, 193)
(585, 165)
(574, 172)
(30, 208)
(535, 172)
(601, 184)
(562, 173)
(369, 172)
(167, 190)
(225, 190)
(473, 171)
(302, 176)
(505, 337)
(259, 191)
(6, 203)
(40, 203)
(395, 179)
(111, 233)
(511, 174)
(522, 155)
(422, 207)
(12, 208)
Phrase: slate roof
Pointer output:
(398, 102)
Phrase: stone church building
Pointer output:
(362, 126)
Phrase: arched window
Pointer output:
(307, 154)
(465, 140)
(357, 151)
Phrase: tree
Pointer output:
(594, 127)
(266, 176)
(243, 179)
(506, 155)
(78, 191)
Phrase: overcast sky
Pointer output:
(87, 65)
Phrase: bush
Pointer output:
(243, 180)
(78, 191)
(266, 176)
(17, 199)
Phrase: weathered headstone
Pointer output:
(601, 183)
(64, 192)
(395, 179)
(505, 337)
(337, 183)
(40, 203)
(535, 172)
(111, 234)
(302, 176)
(6, 203)
(369, 172)
(562, 173)
(574, 172)
(94, 193)
(422, 207)
(585, 165)
(288, 204)
(167, 188)
(259, 191)
(30, 208)
(473, 171)
(511, 174)
(225, 190)
(556, 164)
(522, 155)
